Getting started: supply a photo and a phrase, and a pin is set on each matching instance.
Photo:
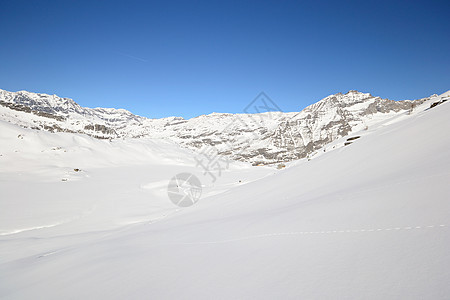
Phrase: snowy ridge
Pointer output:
(257, 138)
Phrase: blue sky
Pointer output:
(187, 58)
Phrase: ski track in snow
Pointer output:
(293, 233)
(68, 220)
(30, 228)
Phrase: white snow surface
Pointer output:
(370, 220)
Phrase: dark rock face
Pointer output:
(438, 103)
(24, 108)
(101, 128)
(353, 138)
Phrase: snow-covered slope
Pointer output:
(366, 221)
(257, 138)
(54, 164)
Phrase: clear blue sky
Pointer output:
(187, 58)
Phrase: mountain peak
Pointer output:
(349, 98)
(353, 92)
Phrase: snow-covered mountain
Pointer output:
(86, 218)
(262, 138)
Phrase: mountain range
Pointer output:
(267, 137)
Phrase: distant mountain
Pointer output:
(261, 138)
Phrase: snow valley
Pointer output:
(347, 198)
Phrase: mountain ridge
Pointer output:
(261, 138)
